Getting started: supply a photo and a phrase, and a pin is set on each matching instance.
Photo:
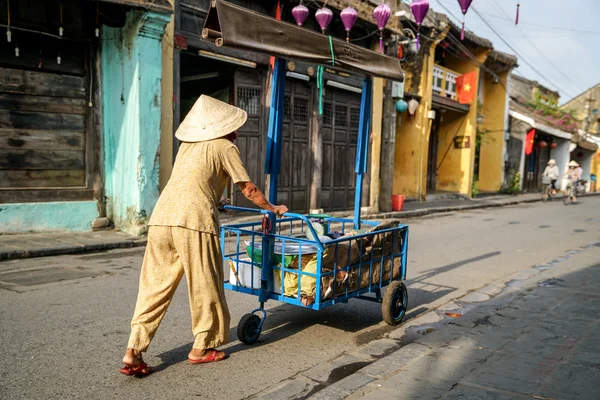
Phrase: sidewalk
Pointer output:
(533, 338)
(50, 244)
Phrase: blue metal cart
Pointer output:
(286, 259)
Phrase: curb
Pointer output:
(382, 357)
(71, 249)
(91, 248)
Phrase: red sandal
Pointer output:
(139, 371)
(211, 356)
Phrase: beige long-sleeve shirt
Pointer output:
(201, 172)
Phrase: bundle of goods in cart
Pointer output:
(350, 257)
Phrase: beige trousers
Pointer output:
(171, 252)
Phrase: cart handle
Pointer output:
(246, 209)
(304, 218)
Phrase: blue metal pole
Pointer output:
(275, 130)
(272, 167)
(362, 148)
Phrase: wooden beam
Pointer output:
(388, 142)
(316, 143)
(45, 195)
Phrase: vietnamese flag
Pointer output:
(529, 139)
(466, 87)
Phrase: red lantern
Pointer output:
(543, 144)
(553, 145)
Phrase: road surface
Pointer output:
(65, 320)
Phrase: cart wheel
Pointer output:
(248, 330)
(395, 302)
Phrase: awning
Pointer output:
(449, 104)
(541, 127)
(235, 27)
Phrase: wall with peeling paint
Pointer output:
(48, 217)
(131, 90)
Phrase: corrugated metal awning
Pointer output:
(544, 128)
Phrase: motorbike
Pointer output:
(548, 190)
(574, 189)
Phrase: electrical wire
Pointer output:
(518, 54)
(542, 54)
(511, 47)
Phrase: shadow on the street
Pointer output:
(447, 268)
(285, 320)
(515, 343)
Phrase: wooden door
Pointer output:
(249, 96)
(341, 115)
(432, 155)
(296, 167)
(44, 137)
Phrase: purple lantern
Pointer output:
(517, 19)
(464, 7)
(381, 14)
(419, 9)
(349, 16)
(300, 13)
(324, 16)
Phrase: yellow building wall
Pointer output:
(491, 157)
(376, 119)
(412, 136)
(166, 123)
(595, 169)
(455, 174)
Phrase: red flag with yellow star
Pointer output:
(466, 87)
(529, 139)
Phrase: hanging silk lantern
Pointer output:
(401, 106)
(349, 16)
(464, 7)
(324, 16)
(8, 32)
(381, 14)
(419, 9)
(517, 19)
(300, 13)
(412, 106)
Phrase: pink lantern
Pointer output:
(381, 14)
(300, 13)
(349, 16)
(464, 7)
(324, 16)
(419, 9)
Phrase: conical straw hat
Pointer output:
(573, 164)
(210, 119)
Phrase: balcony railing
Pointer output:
(444, 82)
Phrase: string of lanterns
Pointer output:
(9, 33)
(349, 15)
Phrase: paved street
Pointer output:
(65, 319)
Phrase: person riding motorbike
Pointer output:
(571, 178)
(551, 173)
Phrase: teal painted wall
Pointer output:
(48, 217)
(131, 97)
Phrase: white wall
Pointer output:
(562, 156)
(586, 165)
